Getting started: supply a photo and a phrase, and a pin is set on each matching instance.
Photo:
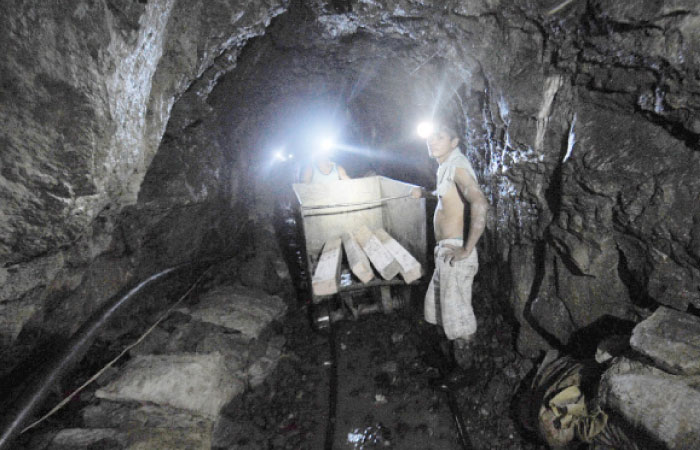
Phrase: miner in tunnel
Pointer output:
(448, 300)
(322, 169)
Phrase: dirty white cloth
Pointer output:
(446, 171)
(448, 301)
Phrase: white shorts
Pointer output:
(452, 286)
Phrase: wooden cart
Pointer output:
(328, 210)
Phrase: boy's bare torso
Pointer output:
(448, 221)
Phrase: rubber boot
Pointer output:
(464, 372)
(463, 353)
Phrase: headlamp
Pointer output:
(425, 129)
(327, 144)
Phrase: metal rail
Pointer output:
(332, 384)
(459, 422)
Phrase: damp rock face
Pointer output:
(138, 135)
(87, 92)
(580, 151)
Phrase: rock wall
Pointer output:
(88, 89)
(613, 194)
(581, 119)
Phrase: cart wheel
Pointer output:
(401, 296)
(323, 313)
(387, 300)
(320, 319)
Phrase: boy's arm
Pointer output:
(421, 192)
(478, 207)
(342, 174)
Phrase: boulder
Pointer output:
(245, 310)
(198, 383)
(125, 416)
(663, 405)
(163, 438)
(78, 438)
(671, 339)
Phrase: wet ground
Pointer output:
(384, 398)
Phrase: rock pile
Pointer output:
(659, 393)
(170, 394)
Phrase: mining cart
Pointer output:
(330, 211)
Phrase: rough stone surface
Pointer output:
(154, 343)
(135, 59)
(239, 309)
(553, 318)
(671, 339)
(107, 414)
(263, 367)
(74, 438)
(195, 439)
(580, 152)
(665, 406)
(197, 383)
(260, 273)
(87, 94)
(139, 135)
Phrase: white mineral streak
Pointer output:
(571, 141)
(132, 86)
(551, 87)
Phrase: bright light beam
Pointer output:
(425, 129)
(382, 155)
(327, 144)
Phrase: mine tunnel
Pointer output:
(201, 204)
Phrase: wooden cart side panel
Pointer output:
(405, 219)
(343, 191)
(323, 224)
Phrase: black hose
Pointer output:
(21, 410)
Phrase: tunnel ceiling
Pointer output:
(136, 133)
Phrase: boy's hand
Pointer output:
(456, 253)
(416, 192)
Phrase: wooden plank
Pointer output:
(328, 223)
(357, 260)
(404, 219)
(411, 269)
(381, 259)
(326, 279)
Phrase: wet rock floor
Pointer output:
(384, 397)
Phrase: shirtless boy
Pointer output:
(323, 170)
(448, 301)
